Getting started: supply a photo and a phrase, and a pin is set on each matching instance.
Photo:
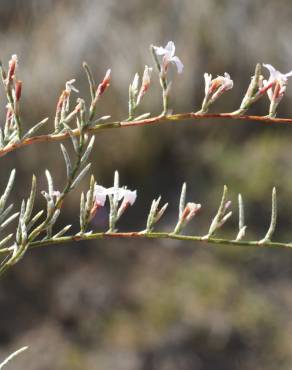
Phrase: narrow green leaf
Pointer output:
(7, 191)
(182, 201)
(67, 160)
(80, 176)
(273, 222)
(88, 150)
(62, 232)
(30, 201)
(50, 183)
(35, 128)
(92, 84)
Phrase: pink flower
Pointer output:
(168, 56)
(129, 196)
(191, 209)
(100, 194)
(279, 81)
(218, 85)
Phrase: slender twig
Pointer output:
(144, 122)
(151, 235)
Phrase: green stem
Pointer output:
(157, 235)
(151, 235)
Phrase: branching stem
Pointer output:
(144, 122)
(151, 235)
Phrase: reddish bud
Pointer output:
(104, 84)
(190, 211)
(12, 68)
(18, 88)
(61, 101)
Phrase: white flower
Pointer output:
(100, 194)
(168, 56)
(70, 87)
(216, 87)
(116, 192)
(129, 196)
(279, 80)
(223, 82)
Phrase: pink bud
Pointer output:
(18, 88)
(104, 84)
(12, 68)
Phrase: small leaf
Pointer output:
(30, 201)
(62, 232)
(92, 84)
(273, 222)
(67, 161)
(34, 219)
(142, 116)
(6, 212)
(7, 191)
(5, 240)
(80, 176)
(35, 128)
(8, 220)
(82, 212)
(88, 150)
(50, 183)
(182, 201)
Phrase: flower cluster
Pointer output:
(120, 193)
(275, 86)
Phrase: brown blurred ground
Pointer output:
(155, 305)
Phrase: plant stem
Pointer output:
(151, 235)
(144, 122)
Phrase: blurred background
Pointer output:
(154, 305)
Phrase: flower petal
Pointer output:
(160, 50)
(289, 74)
(100, 194)
(272, 70)
(170, 49)
(70, 87)
(208, 79)
(129, 196)
(178, 64)
(228, 83)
